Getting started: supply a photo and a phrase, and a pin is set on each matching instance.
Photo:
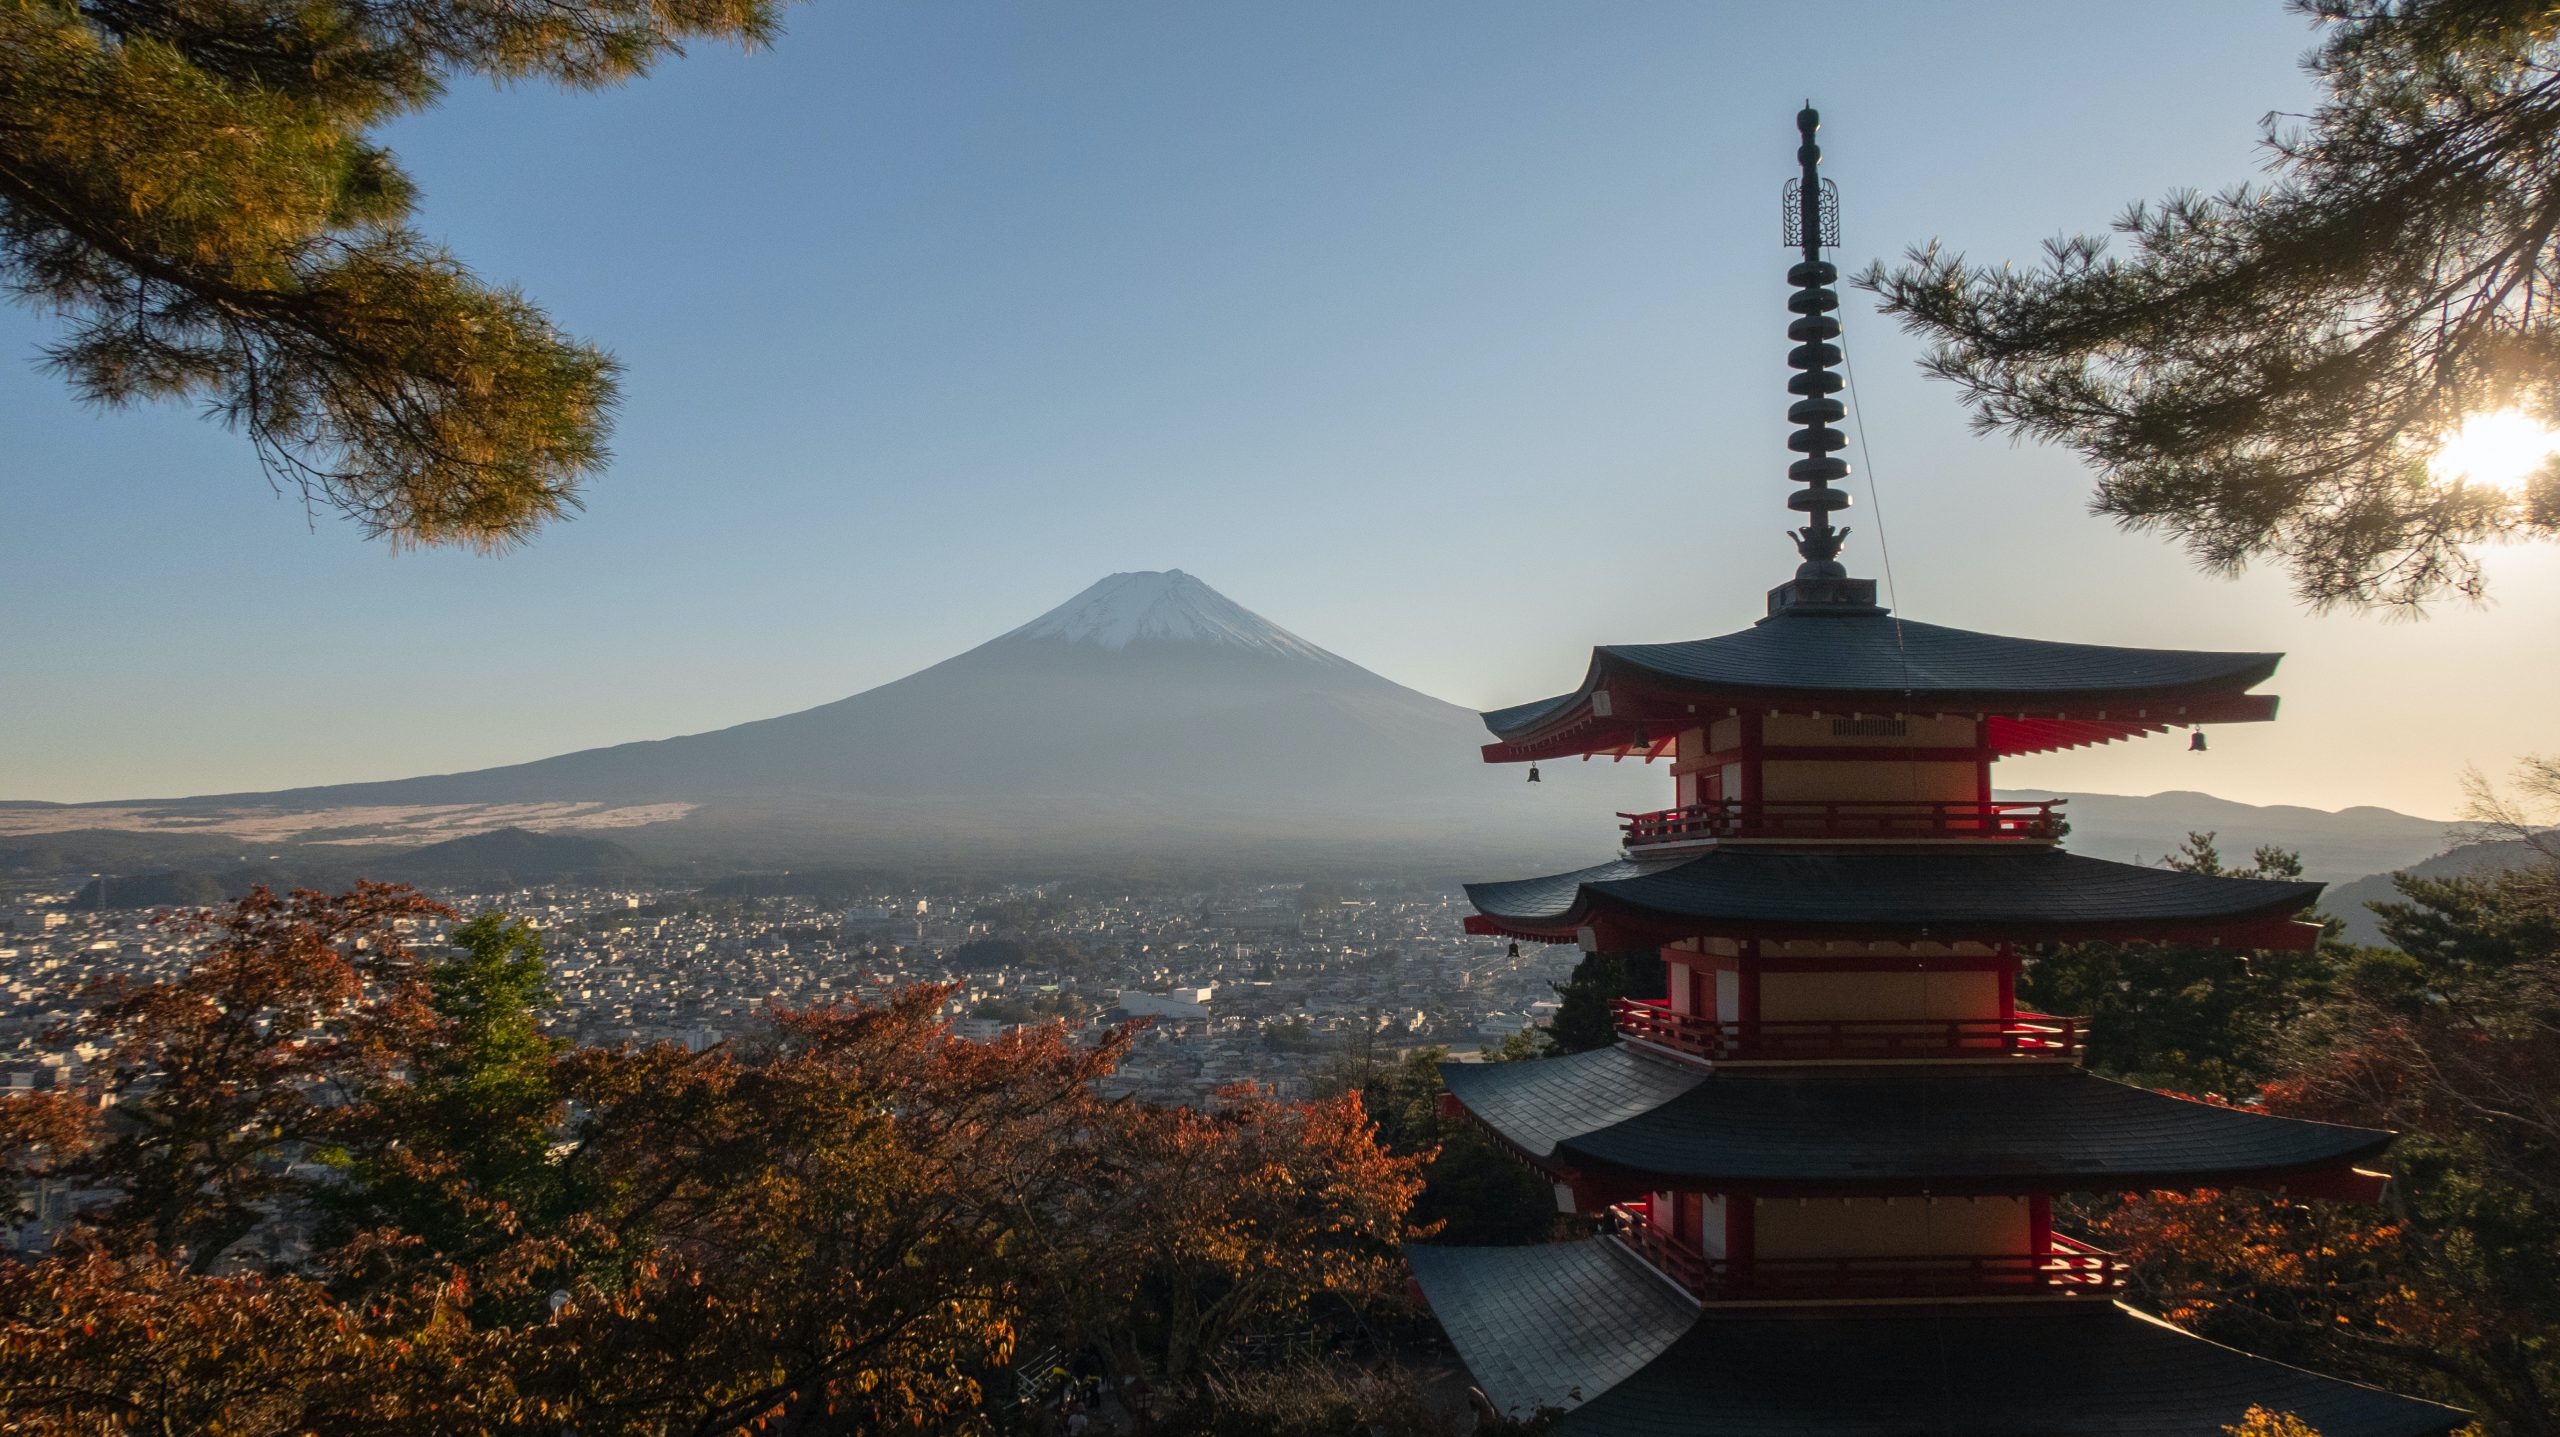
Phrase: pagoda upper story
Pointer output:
(1833, 722)
(1831, 764)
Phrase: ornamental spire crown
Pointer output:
(1812, 222)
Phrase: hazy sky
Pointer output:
(1449, 336)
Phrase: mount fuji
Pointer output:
(1149, 718)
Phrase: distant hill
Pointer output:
(2347, 901)
(176, 888)
(508, 858)
(2335, 846)
(101, 850)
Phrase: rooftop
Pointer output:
(1617, 1113)
(1938, 1371)
(1940, 894)
(2038, 694)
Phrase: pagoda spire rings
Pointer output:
(1813, 221)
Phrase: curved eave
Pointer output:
(1643, 725)
(2041, 896)
(1620, 1122)
(2038, 695)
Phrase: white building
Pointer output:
(1172, 1003)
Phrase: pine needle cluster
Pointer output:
(193, 187)
(2271, 369)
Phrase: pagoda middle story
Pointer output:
(1823, 1169)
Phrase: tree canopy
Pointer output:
(2184, 1017)
(2274, 371)
(194, 187)
(343, 1182)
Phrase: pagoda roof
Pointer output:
(1534, 1324)
(2020, 892)
(2042, 694)
(1620, 1113)
(1552, 1322)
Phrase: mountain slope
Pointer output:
(1147, 722)
(1150, 684)
(1148, 714)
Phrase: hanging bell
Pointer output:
(1533, 773)
(1515, 947)
(1642, 742)
(2195, 741)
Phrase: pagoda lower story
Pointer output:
(1822, 1173)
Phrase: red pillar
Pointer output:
(1746, 1001)
(1740, 1237)
(1751, 746)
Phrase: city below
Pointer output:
(1257, 984)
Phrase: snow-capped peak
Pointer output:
(1167, 604)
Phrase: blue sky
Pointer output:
(1448, 336)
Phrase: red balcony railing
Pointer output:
(2026, 1035)
(2069, 1269)
(2038, 822)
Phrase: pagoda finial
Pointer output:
(1812, 221)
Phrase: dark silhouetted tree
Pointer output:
(2180, 1016)
(1585, 1016)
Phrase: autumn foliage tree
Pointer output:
(1252, 1212)
(824, 1233)
(845, 1222)
(228, 1074)
(1474, 1193)
(101, 1344)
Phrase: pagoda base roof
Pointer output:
(1555, 1323)
(1627, 1116)
(2024, 893)
(1583, 1327)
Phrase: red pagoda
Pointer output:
(1824, 1166)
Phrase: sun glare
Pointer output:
(2502, 450)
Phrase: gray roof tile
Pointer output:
(1551, 1324)
(1944, 891)
(1853, 1130)
(1878, 656)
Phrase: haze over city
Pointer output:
(1451, 347)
